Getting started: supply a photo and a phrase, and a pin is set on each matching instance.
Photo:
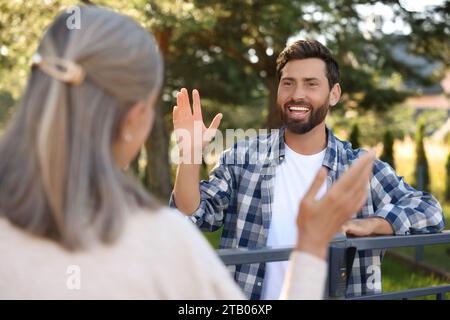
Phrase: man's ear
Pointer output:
(335, 95)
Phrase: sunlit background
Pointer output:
(394, 58)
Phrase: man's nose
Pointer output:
(298, 94)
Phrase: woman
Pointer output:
(66, 205)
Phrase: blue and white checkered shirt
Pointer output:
(239, 192)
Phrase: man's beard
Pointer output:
(317, 115)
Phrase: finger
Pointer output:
(352, 197)
(185, 98)
(216, 122)
(211, 131)
(180, 103)
(361, 198)
(344, 229)
(357, 172)
(350, 203)
(360, 166)
(316, 184)
(196, 104)
(175, 111)
(362, 182)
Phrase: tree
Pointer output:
(388, 148)
(21, 27)
(447, 173)
(447, 178)
(421, 175)
(253, 33)
(228, 50)
(354, 136)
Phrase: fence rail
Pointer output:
(341, 254)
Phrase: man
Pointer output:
(257, 200)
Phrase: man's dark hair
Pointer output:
(304, 49)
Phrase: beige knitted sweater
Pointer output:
(159, 255)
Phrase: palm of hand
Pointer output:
(190, 130)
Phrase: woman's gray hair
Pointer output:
(58, 177)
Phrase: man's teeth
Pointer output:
(298, 109)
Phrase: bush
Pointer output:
(447, 175)
(421, 174)
(354, 136)
(388, 148)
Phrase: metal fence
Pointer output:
(340, 259)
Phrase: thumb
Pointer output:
(316, 184)
(216, 122)
(211, 131)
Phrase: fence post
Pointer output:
(420, 253)
(340, 259)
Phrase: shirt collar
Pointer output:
(330, 159)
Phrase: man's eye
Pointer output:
(313, 84)
(287, 83)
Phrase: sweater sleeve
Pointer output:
(305, 278)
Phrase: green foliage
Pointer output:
(228, 50)
(447, 179)
(22, 24)
(6, 104)
(447, 175)
(401, 121)
(421, 174)
(388, 148)
(354, 136)
(398, 277)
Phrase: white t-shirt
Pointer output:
(293, 178)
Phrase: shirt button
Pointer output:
(259, 284)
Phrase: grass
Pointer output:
(437, 155)
(438, 255)
(397, 277)
(213, 237)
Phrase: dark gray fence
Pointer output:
(341, 254)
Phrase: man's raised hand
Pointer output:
(192, 134)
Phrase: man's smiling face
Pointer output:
(303, 94)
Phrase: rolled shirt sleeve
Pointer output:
(405, 208)
(215, 195)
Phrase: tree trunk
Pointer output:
(274, 117)
(157, 171)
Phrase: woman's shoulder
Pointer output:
(184, 255)
(163, 253)
(166, 226)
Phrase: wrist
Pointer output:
(308, 245)
(191, 156)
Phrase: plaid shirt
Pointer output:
(239, 193)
